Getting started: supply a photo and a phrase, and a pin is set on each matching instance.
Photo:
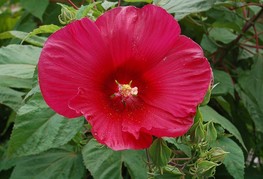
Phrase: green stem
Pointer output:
(148, 160)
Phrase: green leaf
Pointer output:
(5, 162)
(234, 160)
(35, 7)
(24, 36)
(226, 18)
(251, 87)
(222, 35)
(184, 148)
(208, 45)
(209, 114)
(246, 53)
(84, 10)
(16, 68)
(135, 162)
(87, 11)
(160, 153)
(26, 23)
(37, 128)
(11, 54)
(224, 81)
(11, 98)
(49, 29)
(182, 8)
(56, 163)
(7, 21)
(104, 163)
(169, 172)
(15, 82)
(224, 104)
(107, 4)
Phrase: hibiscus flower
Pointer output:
(130, 73)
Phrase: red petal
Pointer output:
(70, 59)
(79, 64)
(144, 35)
(180, 81)
(157, 122)
(176, 86)
(107, 124)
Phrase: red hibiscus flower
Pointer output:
(130, 73)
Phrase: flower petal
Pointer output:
(106, 123)
(180, 81)
(144, 35)
(157, 122)
(177, 85)
(71, 58)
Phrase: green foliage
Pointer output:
(222, 35)
(23, 36)
(196, 155)
(7, 22)
(169, 172)
(6, 162)
(204, 168)
(211, 115)
(211, 132)
(224, 83)
(182, 8)
(228, 127)
(89, 11)
(11, 98)
(45, 129)
(104, 163)
(55, 163)
(251, 87)
(12, 55)
(45, 29)
(16, 71)
(35, 7)
(234, 160)
(160, 153)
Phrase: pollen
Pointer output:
(125, 90)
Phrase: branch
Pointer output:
(248, 24)
(72, 4)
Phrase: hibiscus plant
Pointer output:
(137, 89)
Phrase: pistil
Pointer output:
(125, 90)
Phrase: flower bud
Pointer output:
(204, 168)
(207, 97)
(67, 14)
(160, 153)
(208, 93)
(217, 154)
(197, 132)
(211, 133)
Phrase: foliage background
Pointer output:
(38, 143)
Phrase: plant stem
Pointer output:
(248, 24)
(72, 4)
(245, 28)
(148, 160)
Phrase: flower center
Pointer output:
(125, 90)
(125, 98)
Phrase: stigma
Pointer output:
(125, 90)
